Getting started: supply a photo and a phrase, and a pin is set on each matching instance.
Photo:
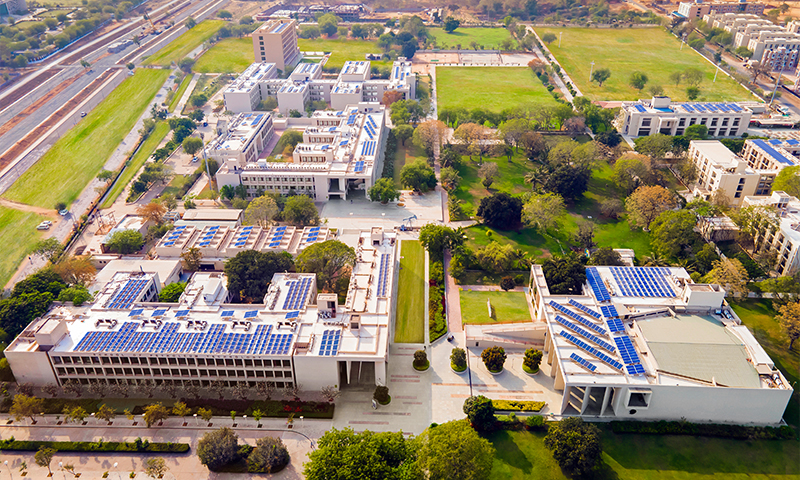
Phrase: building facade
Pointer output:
(243, 139)
(276, 42)
(780, 235)
(8, 7)
(698, 8)
(661, 115)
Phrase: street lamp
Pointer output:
(302, 422)
(559, 38)
(9, 469)
(244, 420)
(61, 466)
(591, 70)
(119, 476)
(195, 419)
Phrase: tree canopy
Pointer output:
(300, 210)
(261, 211)
(672, 231)
(172, 292)
(250, 272)
(542, 211)
(383, 191)
(344, 455)
(218, 448)
(454, 451)
(575, 445)
(501, 211)
(125, 241)
(647, 203)
(606, 256)
(788, 180)
(480, 412)
(418, 176)
(329, 260)
(789, 319)
(565, 275)
(437, 238)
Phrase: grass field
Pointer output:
(148, 147)
(187, 79)
(184, 44)
(410, 322)
(230, 55)
(18, 233)
(492, 88)
(76, 158)
(489, 38)
(405, 155)
(341, 50)
(509, 307)
(652, 51)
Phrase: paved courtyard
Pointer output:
(364, 214)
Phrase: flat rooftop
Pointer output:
(240, 132)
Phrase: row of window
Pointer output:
(175, 372)
(230, 362)
(159, 381)
(278, 179)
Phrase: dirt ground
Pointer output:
(240, 9)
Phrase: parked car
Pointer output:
(64, 212)
(43, 226)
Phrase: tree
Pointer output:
(564, 275)
(390, 97)
(494, 358)
(172, 292)
(383, 191)
(693, 76)
(731, 275)
(190, 23)
(454, 451)
(630, 171)
(611, 207)
(155, 467)
(429, 134)
(329, 260)
(549, 38)
(329, 393)
(191, 259)
(403, 132)
(299, 210)
(501, 211)
(344, 454)
(250, 272)
(152, 212)
(270, 455)
(438, 238)
(488, 171)
(205, 414)
(418, 176)
(155, 413)
(638, 80)
(75, 414)
(647, 203)
(692, 93)
(655, 146)
(788, 180)
(451, 24)
(606, 256)
(405, 111)
(575, 445)
(532, 360)
(224, 14)
(496, 258)
(672, 231)
(44, 456)
(218, 448)
(328, 24)
(181, 409)
(125, 242)
(192, 145)
(534, 144)
(26, 406)
(458, 358)
(569, 181)
(789, 319)
(601, 75)
(480, 412)
(449, 178)
(49, 249)
(474, 137)
(744, 52)
(656, 90)
(507, 283)
(542, 211)
(261, 211)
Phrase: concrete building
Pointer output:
(661, 115)
(243, 139)
(250, 88)
(276, 42)
(771, 44)
(699, 9)
(647, 343)
(12, 7)
(297, 335)
(781, 236)
(341, 152)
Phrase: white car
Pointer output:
(43, 226)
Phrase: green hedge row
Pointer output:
(99, 446)
(702, 429)
(519, 406)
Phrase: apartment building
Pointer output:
(276, 42)
(297, 335)
(699, 9)
(243, 138)
(250, 88)
(782, 237)
(12, 7)
(661, 115)
(773, 45)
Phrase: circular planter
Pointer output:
(456, 371)
(388, 401)
(427, 366)
(530, 372)
(495, 373)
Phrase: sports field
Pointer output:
(652, 51)
(341, 50)
(184, 44)
(491, 88)
(74, 160)
(231, 55)
(18, 233)
(488, 38)
(410, 322)
(509, 307)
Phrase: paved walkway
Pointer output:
(550, 60)
(186, 94)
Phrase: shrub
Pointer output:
(518, 405)
(519, 279)
(100, 446)
(703, 429)
(218, 448)
(533, 358)
(480, 412)
(381, 394)
(494, 358)
(269, 456)
(534, 422)
(575, 445)
(507, 283)
(458, 359)
(420, 359)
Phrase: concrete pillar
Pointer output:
(380, 372)
(606, 398)
(585, 402)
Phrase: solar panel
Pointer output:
(615, 325)
(642, 281)
(159, 312)
(626, 350)
(609, 311)
(182, 313)
(136, 312)
(251, 314)
(590, 349)
(583, 362)
(227, 313)
(596, 284)
(584, 309)
(292, 315)
(593, 338)
(583, 321)
(635, 369)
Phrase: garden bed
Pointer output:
(705, 430)
(518, 405)
(99, 446)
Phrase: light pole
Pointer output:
(715, 75)
(119, 476)
(302, 422)
(195, 420)
(244, 420)
(591, 70)
(61, 466)
(11, 475)
(778, 80)
(559, 38)
(683, 40)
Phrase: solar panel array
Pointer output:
(173, 235)
(583, 362)
(359, 167)
(635, 369)
(128, 294)
(368, 147)
(642, 281)
(251, 314)
(135, 312)
(159, 312)
(712, 107)
(615, 325)
(626, 350)
(313, 235)
(296, 296)
(351, 119)
(640, 108)
(330, 343)
(371, 133)
(277, 237)
(383, 275)
(583, 333)
(596, 284)
(609, 311)
(240, 239)
(583, 321)
(182, 313)
(291, 315)
(168, 340)
(584, 309)
(590, 349)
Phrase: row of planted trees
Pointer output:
(493, 358)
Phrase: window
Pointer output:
(646, 122)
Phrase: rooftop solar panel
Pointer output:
(615, 325)
(593, 338)
(627, 350)
(159, 312)
(590, 349)
(583, 321)
(136, 312)
(227, 313)
(251, 314)
(182, 313)
(584, 309)
(583, 362)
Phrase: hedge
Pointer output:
(703, 429)
(99, 446)
(517, 405)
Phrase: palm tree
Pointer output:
(536, 177)
(655, 260)
(686, 264)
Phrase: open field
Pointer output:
(509, 307)
(184, 44)
(179, 92)
(135, 163)
(341, 50)
(18, 233)
(230, 55)
(76, 158)
(410, 322)
(489, 38)
(405, 155)
(652, 51)
(491, 88)
(54, 13)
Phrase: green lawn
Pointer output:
(230, 55)
(492, 88)
(179, 92)
(405, 155)
(652, 51)
(134, 164)
(489, 38)
(509, 307)
(410, 322)
(18, 233)
(76, 158)
(184, 44)
(176, 184)
(342, 50)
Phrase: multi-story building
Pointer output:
(12, 7)
(243, 139)
(661, 115)
(771, 44)
(699, 9)
(276, 42)
(341, 152)
(297, 335)
(250, 88)
(781, 235)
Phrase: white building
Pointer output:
(782, 237)
(647, 343)
(661, 115)
(771, 44)
(341, 152)
(250, 88)
(12, 7)
(276, 42)
(243, 139)
(297, 334)
(698, 8)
